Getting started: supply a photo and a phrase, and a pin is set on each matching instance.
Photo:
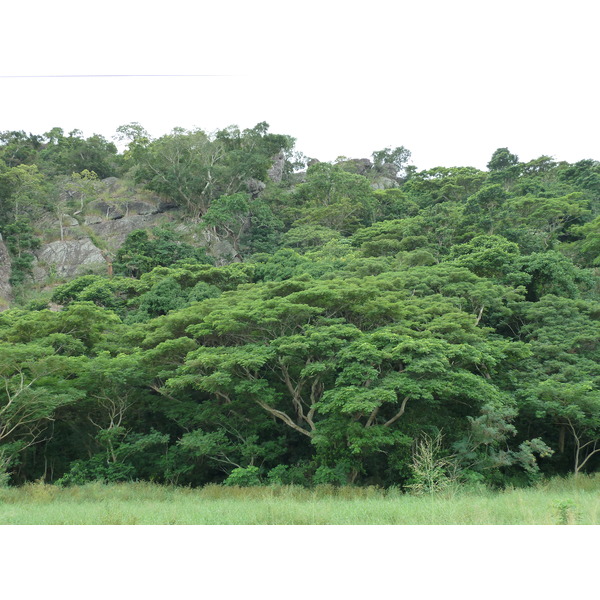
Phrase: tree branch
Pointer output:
(398, 414)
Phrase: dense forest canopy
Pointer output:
(369, 317)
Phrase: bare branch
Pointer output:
(398, 414)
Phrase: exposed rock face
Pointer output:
(102, 210)
(67, 221)
(111, 217)
(275, 173)
(116, 231)
(68, 259)
(111, 184)
(5, 288)
(363, 166)
(105, 210)
(165, 205)
(359, 166)
(384, 183)
(255, 187)
(220, 249)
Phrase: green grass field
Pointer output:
(557, 501)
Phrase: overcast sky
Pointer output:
(449, 80)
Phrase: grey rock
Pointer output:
(101, 210)
(255, 186)
(165, 205)
(139, 207)
(275, 173)
(115, 232)
(384, 183)
(92, 219)
(111, 183)
(106, 210)
(68, 221)
(221, 250)
(67, 259)
(359, 166)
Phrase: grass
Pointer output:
(557, 501)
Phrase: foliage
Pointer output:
(367, 307)
(142, 252)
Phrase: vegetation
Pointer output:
(561, 502)
(375, 325)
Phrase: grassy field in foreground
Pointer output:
(557, 501)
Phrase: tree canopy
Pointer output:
(364, 309)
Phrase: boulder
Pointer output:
(67, 259)
(255, 187)
(275, 173)
(92, 219)
(111, 183)
(139, 207)
(384, 183)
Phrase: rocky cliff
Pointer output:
(90, 238)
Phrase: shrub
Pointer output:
(243, 477)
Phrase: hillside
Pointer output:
(207, 308)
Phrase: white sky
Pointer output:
(449, 80)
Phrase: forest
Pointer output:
(282, 320)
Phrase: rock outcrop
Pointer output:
(114, 232)
(68, 259)
(383, 183)
(275, 173)
(102, 210)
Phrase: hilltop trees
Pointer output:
(192, 168)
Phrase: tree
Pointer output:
(18, 148)
(559, 382)
(21, 192)
(229, 216)
(443, 184)
(391, 162)
(483, 209)
(502, 159)
(34, 384)
(63, 155)
(548, 217)
(143, 251)
(192, 168)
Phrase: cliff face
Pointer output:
(5, 288)
(68, 259)
(92, 236)
(86, 240)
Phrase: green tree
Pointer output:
(34, 383)
(559, 383)
(63, 155)
(143, 251)
(391, 162)
(229, 216)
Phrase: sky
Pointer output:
(452, 81)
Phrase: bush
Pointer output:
(96, 469)
(243, 477)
